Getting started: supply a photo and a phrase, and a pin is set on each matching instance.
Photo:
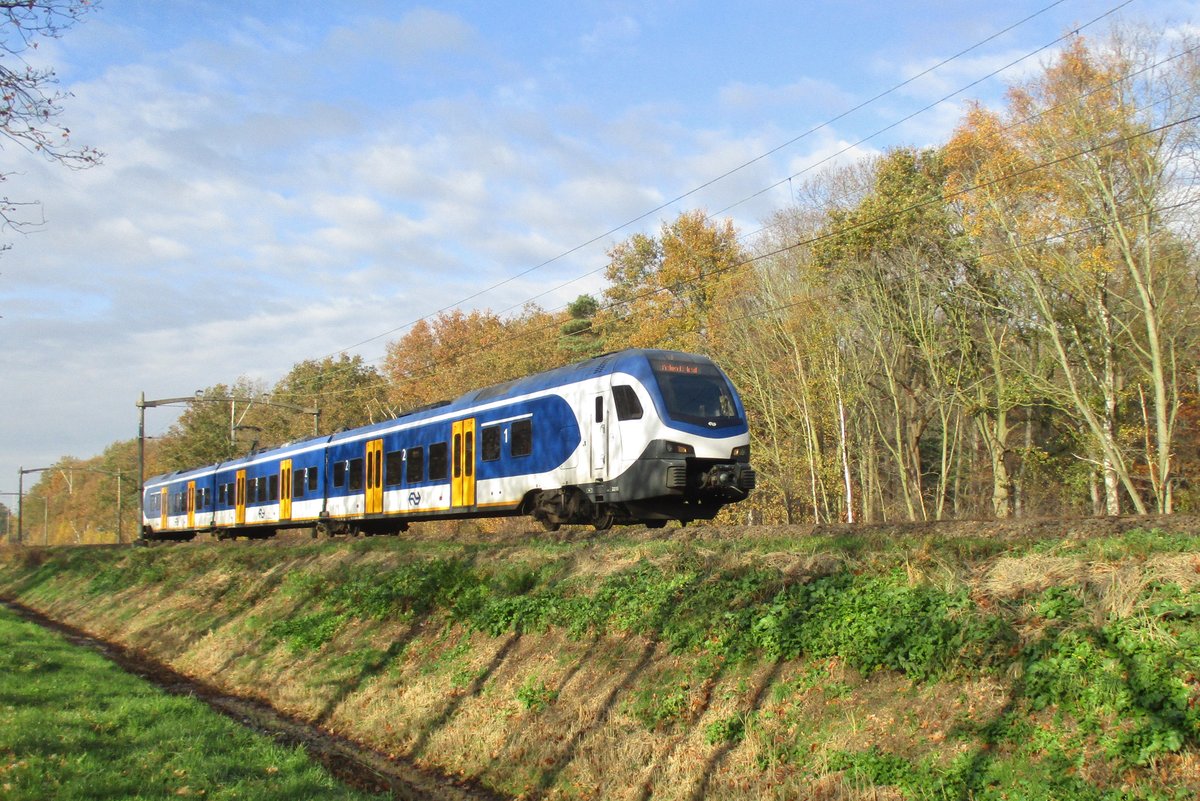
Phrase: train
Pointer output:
(633, 437)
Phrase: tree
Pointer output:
(207, 431)
(579, 336)
(664, 291)
(346, 391)
(30, 102)
(454, 352)
(1072, 190)
(895, 257)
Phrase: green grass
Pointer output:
(74, 726)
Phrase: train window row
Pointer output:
(304, 479)
(416, 465)
(521, 440)
(177, 502)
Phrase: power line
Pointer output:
(940, 197)
(1034, 52)
(732, 171)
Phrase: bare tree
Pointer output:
(30, 100)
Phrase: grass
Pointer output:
(1020, 667)
(74, 726)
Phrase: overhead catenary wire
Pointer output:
(730, 172)
(927, 71)
(940, 197)
(885, 129)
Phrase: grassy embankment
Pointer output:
(74, 726)
(689, 664)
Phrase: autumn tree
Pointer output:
(444, 356)
(1072, 189)
(664, 291)
(344, 390)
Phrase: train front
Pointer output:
(697, 458)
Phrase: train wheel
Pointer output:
(603, 519)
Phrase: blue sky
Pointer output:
(287, 179)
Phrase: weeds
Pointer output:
(534, 695)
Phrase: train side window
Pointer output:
(414, 473)
(356, 474)
(628, 405)
(489, 442)
(393, 468)
(599, 408)
(262, 489)
(298, 482)
(273, 487)
(438, 461)
(221, 494)
(522, 438)
(312, 479)
(339, 474)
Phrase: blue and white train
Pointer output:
(639, 436)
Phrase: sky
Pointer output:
(289, 180)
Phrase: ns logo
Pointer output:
(414, 498)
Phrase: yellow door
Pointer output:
(191, 504)
(374, 477)
(285, 489)
(165, 500)
(462, 487)
(239, 498)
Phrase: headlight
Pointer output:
(740, 452)
(679, 448)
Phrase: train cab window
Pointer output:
(438, 461)
(627, 403)
(273, 487)
(298, 482)
(489, 443)
(356, 474)
(414, 473)
(393, 468)
(522, 438)
(312, 479)
(339, 474)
